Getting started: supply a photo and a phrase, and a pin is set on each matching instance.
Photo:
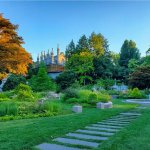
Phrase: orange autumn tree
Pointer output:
(13, 57)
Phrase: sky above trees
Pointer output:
(43, 25)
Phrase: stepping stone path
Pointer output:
(91, 136)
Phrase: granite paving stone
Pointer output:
(102, 129)
(107, 126)
(76, 142)
(84, 136)
(48, 146)
(95, 132)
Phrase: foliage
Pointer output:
(103, 97)
(70, 49)
(93, 97)
(13, 81)
(105, 83)
(70, 93)
(132, 65)
(128, 51)
(49, 106)
(140, 77)
(132, 93)
(82, 65)
(103, 67)
(136, 93)
(42, 82)
(86, 96)
(8, 108)
(3, 97)
(82, 45)
(14, 58)
(24, 93)
(66, 79)
(98, 44)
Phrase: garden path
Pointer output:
(93, 135)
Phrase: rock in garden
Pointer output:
(77, 109)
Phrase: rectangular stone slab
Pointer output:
(107, 126)
(110, 123)
(131, 114)
(95, 132)
(122, 119)
(102, 129)
(84, 136)
(76, 142)
(116, 122)
(48, 146)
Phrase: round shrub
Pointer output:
(83, 95)
(70, 93)
(24, 93)
(92, 97)
(136, 93)
(103, 97)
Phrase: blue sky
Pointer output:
(44, 24)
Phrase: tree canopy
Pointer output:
(128, 51)
(13, 57)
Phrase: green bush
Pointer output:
(41, 81)
(132, 93)
(103, 97)
(92, 98)
(24, 93)
(8, 108)
(136, 93)
(84, 95)
(73, 100)
(13, 81)
(70, 93)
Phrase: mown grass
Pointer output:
(25, 134)
(136, 136)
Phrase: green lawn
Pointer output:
(26, 133)
(134, 137)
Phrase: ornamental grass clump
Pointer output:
(8, 108)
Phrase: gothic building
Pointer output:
(50, 59)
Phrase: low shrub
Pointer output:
(70, 93)
(103, 97)
(8, 108)
(73, 100)
(24, 93)
(84, 95)
(93, 97)
(132, 93)
(136, 93)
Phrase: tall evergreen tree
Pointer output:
(83, 45)
(128, 51)
(70, 49)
